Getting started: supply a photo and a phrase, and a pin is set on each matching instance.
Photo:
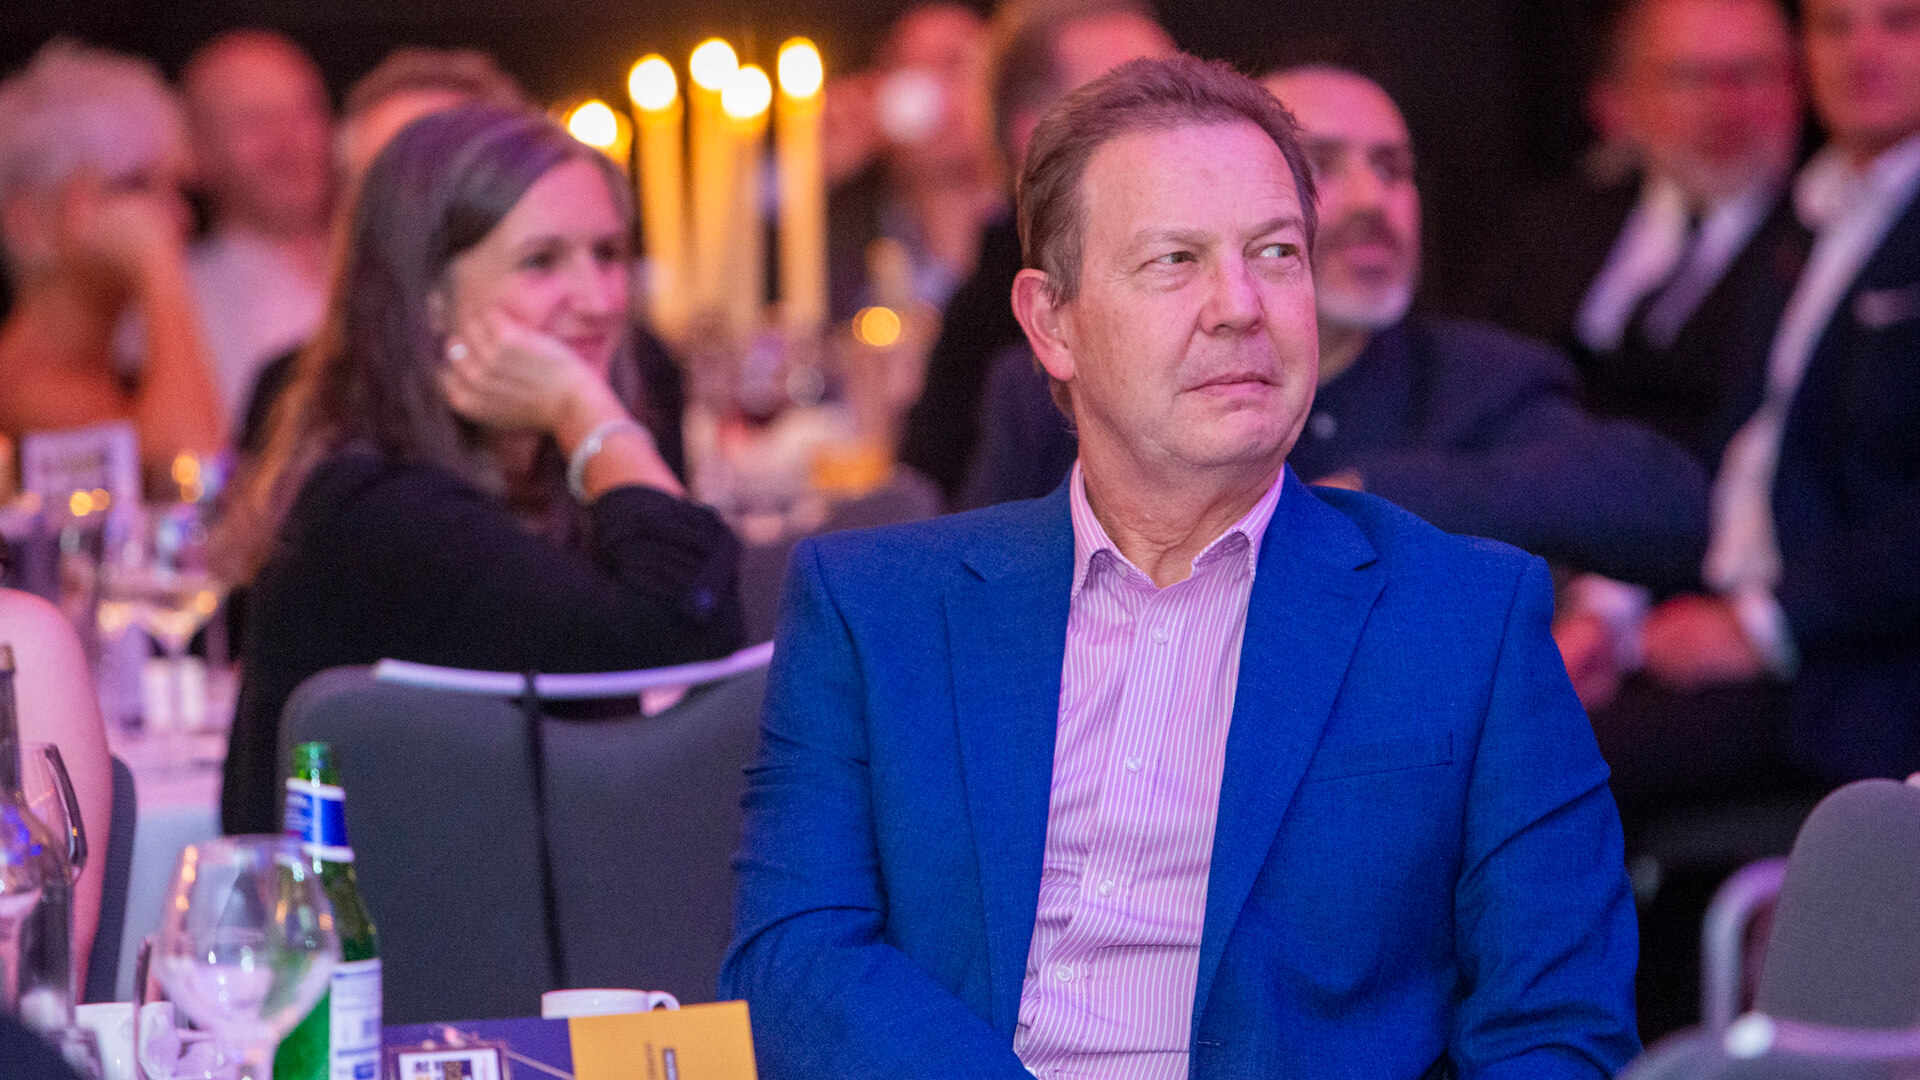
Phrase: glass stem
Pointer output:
(177, 685)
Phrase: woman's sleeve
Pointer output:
(655, 584)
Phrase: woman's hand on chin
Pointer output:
(505, 375)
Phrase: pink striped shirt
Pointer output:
(1146, 693)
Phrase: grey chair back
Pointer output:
(642, 819)
(645, 820)
(103, 961)
(1845, 945)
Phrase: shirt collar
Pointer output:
(1830, 185)
(1662, 196)
(1090, 538)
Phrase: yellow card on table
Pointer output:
(694, 1042)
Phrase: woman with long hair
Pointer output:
(452, 477)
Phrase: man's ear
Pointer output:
(1044, 319)
(27, 225)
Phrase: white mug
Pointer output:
(112, 1025)
(558, 1004)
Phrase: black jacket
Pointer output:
(386, 560)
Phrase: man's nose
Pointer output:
(1233, 304)
(1356, 184)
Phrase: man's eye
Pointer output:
(1280, 250)
(1173, 257)
(541, 259)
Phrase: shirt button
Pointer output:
(1063, 973)
(1106, 888)
(1133, 764)
(1160, 635)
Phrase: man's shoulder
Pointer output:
(1414, 552)
(1481, 357)
(1458, 339)
(983, 541)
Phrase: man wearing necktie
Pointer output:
(1662, 265)
(1185, 769)
(1810, 615)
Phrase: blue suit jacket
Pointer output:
(1846, 511)
(1417, 860)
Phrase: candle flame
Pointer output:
(593, 123)
(801, 72)
(713, 64)
(651, 84)
(747, 93)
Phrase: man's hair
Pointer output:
(217, 49)
(1026, 75)
(76, 106)
(1615, 27)
(468, 73)
(1138, 96)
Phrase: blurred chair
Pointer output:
(103, 961)
(642, 819)
(1838, 991)
(1845, 946)
(906, 496)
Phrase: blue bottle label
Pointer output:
(317, 814)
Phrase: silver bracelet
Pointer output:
(589, 446)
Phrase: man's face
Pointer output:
(1087, 48)
(1707, 91)
(1191, 344)
(932, 97)
(261, 124)
(363, 137)
(1366, 260)
(1863, 61)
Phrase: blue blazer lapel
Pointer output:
(1007, 622)
(1303, 621)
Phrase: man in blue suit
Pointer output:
(1444, 417)
(1185, 769)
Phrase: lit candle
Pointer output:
(713, 64)
(803, 197)
(657, 119)
(745, 100)
(593, 123)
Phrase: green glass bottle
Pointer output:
(340, 1038)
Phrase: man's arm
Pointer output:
(828, 995)
(1544, 921)
(1510, 454)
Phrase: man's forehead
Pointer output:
(1332, 104)
(1680, 29)
(1167, 180)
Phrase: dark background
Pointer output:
(1491, 88)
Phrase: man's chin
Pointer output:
(1368, 309)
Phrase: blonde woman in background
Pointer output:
(93, 226)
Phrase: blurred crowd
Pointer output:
(1690, 381)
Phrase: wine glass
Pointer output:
(157, 574)
(50, 798)
(247, 943)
